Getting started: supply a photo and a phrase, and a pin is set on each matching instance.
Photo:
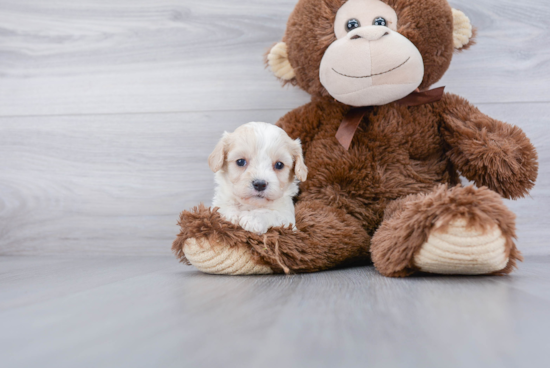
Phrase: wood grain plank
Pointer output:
(508, 62)
(61, 57)
(89, 57)
(115, 184)
(111, 183)
(176, 316)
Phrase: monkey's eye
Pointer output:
(379, 22)
(352, 24)
(241, 162)
(279, 165)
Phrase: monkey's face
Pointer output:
(368, 52)
(370, 63)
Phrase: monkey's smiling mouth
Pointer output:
(373, 75)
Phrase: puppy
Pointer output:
(257, 171)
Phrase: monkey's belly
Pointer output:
(368, 173)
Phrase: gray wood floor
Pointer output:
(108, 110)
(150, 312)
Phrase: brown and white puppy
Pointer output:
(257, 171)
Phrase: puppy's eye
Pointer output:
(379, 22)
(241, 162)
(279, 165)
(352, 24)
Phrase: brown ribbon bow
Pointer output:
(353, 118)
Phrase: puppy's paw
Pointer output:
(254, 224)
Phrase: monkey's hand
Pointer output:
(487, 151)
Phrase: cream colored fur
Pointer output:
(464, 251)
(380, 65)
(462, 29)
(224, 260)
(278, 62)
(261, 146)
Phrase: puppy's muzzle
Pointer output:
(259, 185)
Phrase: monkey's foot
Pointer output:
(462, 250)
(221, 259)
(450, 230)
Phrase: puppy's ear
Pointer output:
(217, 157)
(300, 168)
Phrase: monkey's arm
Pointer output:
(325, 237)
(487, 151)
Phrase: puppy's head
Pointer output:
(259, 163)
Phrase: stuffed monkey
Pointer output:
(384, 153)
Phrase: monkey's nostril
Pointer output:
(259, 185)
(356, 37)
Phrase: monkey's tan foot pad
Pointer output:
(223, 259)
(463, 251)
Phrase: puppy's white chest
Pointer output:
(259, 221)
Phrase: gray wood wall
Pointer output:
(108, 110)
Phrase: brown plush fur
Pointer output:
(487, 151)
(332, 237)
(400, 173)
(408, 223)
(428, 24)
(206, 223)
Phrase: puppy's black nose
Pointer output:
(259, 185)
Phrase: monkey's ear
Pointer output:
(463, 32)
(277, 59)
